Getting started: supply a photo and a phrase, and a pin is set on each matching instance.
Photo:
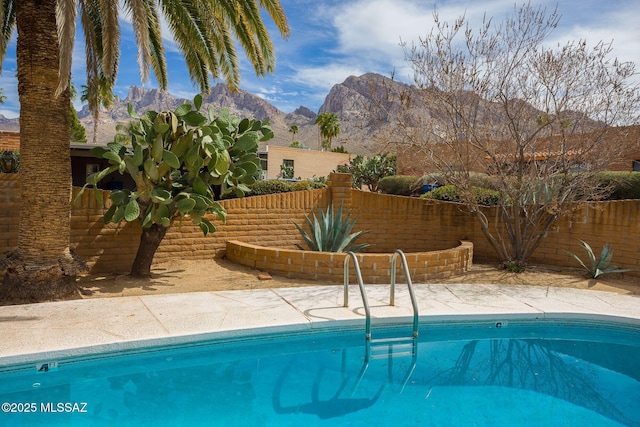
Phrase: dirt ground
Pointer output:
(219, 274)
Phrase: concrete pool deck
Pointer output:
(48, 331)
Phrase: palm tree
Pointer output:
(103, 97)
(328, 126)
(293, 129)
(78, 132)
(43, 267)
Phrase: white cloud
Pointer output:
(369, 33)
(9, 114)
(324, 77)
(619, 27)
(372, 30)
(184, 94)
(268, 90)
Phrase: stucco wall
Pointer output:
(306, 163)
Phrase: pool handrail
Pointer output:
(363, 293)
(392, 297)
(365, 302)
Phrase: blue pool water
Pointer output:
(516, 373)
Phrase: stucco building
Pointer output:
(305, 163)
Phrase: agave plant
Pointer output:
(331, 233)
(598, 266)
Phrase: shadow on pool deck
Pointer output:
(218, 274)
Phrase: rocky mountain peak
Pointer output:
(305, 112)
(135, 93)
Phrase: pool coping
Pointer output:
(34, 333)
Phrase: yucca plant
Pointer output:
(331, 233)
(598, 266)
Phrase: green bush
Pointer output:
(317, 183)
(300, 186)
(625, 185)
(274, 186)
(369, 170)
(449, 193)
(399, 185)
(271, 186)
(486, 196)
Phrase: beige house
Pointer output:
(304, 162)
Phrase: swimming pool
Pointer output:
(487, 373)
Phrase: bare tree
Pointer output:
(536, 119)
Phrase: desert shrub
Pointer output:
(274, 186)
(449, 193)
(270, 186)
(486, 196)
(369, 170)
(399, 185)
(300, 186)
(317, 183)
(307, 184)
(625, 185)
(446, 193)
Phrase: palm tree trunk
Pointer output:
(149, 242)
(42, 268)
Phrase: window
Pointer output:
(263, 165)
(636, 165)
(286, 169)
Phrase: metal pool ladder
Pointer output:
(375, 349)
(363, 292)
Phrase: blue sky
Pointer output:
(333, 39)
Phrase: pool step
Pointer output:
(391, 347)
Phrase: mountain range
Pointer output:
(347, 100)
(375, 113)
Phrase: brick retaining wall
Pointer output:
(329, 267)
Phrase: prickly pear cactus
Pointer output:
(176, 158)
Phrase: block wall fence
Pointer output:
(392, 222)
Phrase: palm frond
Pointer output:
(66, 20)
(110, 40)
(7, 25)
(186, 20)
(139, 20)
(91, 25)
(250, 31)
(276, 12)
(158, 59)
